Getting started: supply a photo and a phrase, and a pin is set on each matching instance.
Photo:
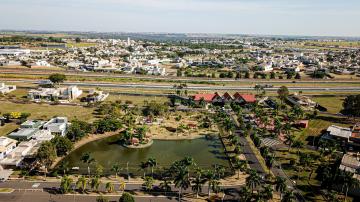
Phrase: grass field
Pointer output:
(333, 104)
(80, 45)
(8, 128)
(138, 100)
(46, 111)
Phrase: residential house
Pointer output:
(208, 98)
(351, 163)
(95, 96)
(57, 126)
(244, 98)
(4, 89)
(6, 146)
(65, 94)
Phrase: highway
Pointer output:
(189, 87)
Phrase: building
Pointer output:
(6, 146)
(95, 96)
(351, 163)
(300, 100)
(244, 98)
(65, 94)
(14, 52)
(4, 89)
(339, 133)
(23, 150)
(32, 124)
(57, 126)
(23, 134)
(208, 98)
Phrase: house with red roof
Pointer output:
(244, 98)
(208, 98)
(227, 98)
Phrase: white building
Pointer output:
(42, 63)
(14, 52)
(23, 150)
(57, 126)
(6, 88)
(6, 146)
(65, 94)
(96, 96)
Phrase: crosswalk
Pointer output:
(270, 142)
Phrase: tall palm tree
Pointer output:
(116, 169)
(209, 177)
(144, 166)
(215, 185)
(219, 171)
(182, 181)
(152, 163)
(165, 185)
(109, 187)
(269, 160)
(280, 185)
(86, 158)
(288, 196)
(65, 185)
(198, 182)
(122, 186)
(267, 192)
(95, 183)
(245, 194)
(253, 180)
(240, 166)
(81, 184)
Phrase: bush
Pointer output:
(101, 198)
(126, 197)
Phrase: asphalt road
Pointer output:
(190, 87)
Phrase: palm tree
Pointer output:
(109, 187)
(148, 184)
(298, 144)
(198, 182)
(86, 158)
(267, 192)
(187, 162)
(240, 166)
(144, 166)
(288, 196)
(349, 182)
(245, 194)
(253, 180)
(289, 139)
(81, 183)
(116, 169)
(95, 183)
(165, 185)
(280, 185)
(182, 181)
(152, 163)
(215, 185)
(219, 170)
(269, 160)
(122, 186)
(65, 184)
(209, 177)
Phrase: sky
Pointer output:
(264, 17)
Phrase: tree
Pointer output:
(245, 194)
(253, 180)
(102, 198)
(182, 181)
(62, 144)
(81, 183)
(298, 76)
(86, 158)
(77, 40)
(349, 182)
(165, 185)
(280, 185)
(65, 184)
(148, 184)
(109, 187)
(298, 144)
(126, 197)
(152, 163)
(267, 192)
(95, 183)
(116, 169)
(46, 154)
(241, 166)
(288, 196)
(283, 93)
(57, 78)
(198, 182)
(351, 106)
(289, 139)
(247, 75)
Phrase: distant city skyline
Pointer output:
(262, 17)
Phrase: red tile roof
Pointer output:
(249, 98)
(207, 97)
(227, 96)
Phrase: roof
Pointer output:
(248, 97)
(23, 133)
(206, 97)
(350, 161)
(227, 96)
(339, 131)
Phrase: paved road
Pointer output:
(5, 70)
(191, 87)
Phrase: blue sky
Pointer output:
(279, 17)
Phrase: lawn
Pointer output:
(138, 100)
(333, 104)
(8, 128)
(46, 111)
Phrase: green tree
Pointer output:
(280, 185)
(351, 106)
(253, 180)
(288, 196)
(240, 166)
(283, 93)
(57, 78)
(149, 182)
(77, 40)
(65, 184)
(88, 159)
(198, 182)
(182, 181)
(46, 154)
(62, 144)
(95, 183)
(267, 192)
(151, 162)
(102, 198)
(165, 185)
(109, 187)
(81, 183)
(116, 168)
(126, 197)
